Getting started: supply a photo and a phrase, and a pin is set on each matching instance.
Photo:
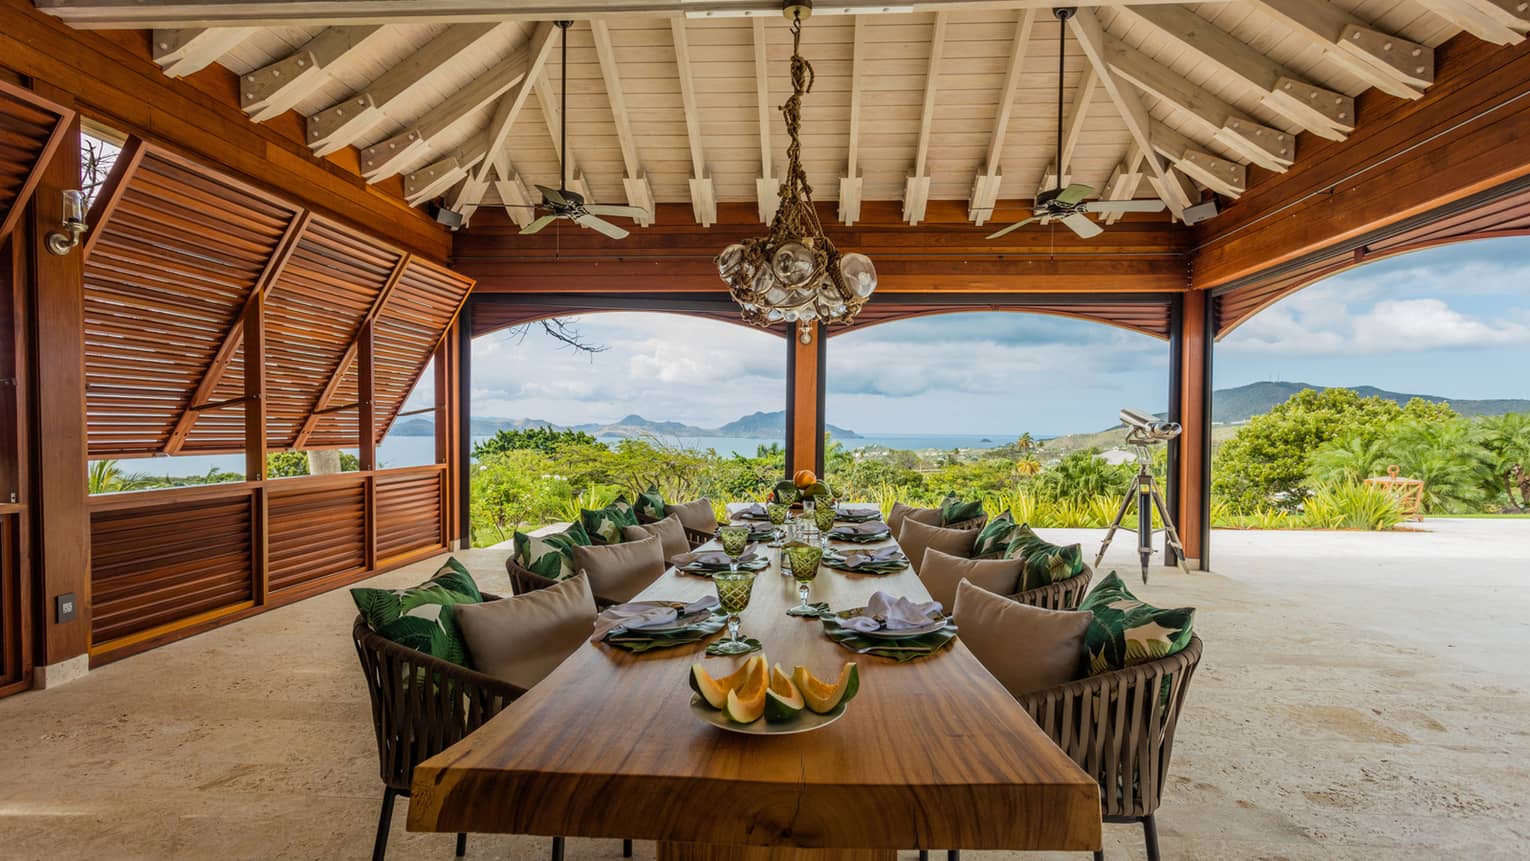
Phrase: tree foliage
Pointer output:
(544, 440)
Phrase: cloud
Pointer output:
(1321, 321)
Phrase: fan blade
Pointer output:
(601, 226)
(536, 226)
(1074, 193)
(1125, 206)
(1010, 229)
(551, 195)
(617, 211)
(1079, 223)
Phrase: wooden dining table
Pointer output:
(931, 754)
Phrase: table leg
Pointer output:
(708, 852)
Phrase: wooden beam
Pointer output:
(235, 335)
(1123, 181)
(703, 191)
(1499, 23)
(386, 158)
(439, 176)
(119, 14)
(110, 193)
(552, 115)
(1194, 342)
(1224, 176)
(1086, 31)
(1072, 128)
(1212, 118)
(366, 389)
(182, 52)
(339, 125)
(274, 89)
(509, 108)
(634, 181)
(805, 388)
(513, 193)
(985, 188)
(767, 186)
(851, 184)
(466, 195)
(1323, 112)
(916, 192)
(253, 330)
(1387, 62)
(343, 367)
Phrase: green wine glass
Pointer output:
(734, 539)
(803, 560)
(776, 511)
(733, 591)
(823, 517)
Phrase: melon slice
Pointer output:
(746, 703)
(823, 697)
(782, 700)
(715, 691)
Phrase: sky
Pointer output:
(1451, 321)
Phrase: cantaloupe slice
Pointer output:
(782, 700)
(823, 697)
(715, 691)
(746, 702)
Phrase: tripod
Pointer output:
(1145, 491)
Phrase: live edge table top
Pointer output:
(933, 753)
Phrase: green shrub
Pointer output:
(1351, 506)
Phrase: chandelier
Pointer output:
(795, 274)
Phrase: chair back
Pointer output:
(422, 705)
(524, 580)
(1062, 595)
(971, 523)
(1119, 727)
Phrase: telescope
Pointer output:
(1145, 429)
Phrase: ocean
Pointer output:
(397, 451)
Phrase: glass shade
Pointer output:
(793, 264)
(859, 273)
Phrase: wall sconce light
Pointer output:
(62, 242)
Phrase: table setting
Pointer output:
(869, 532)
(879, 561)
(856, 514)
(891, 626)
(640, 626)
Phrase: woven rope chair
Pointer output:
(1062, 595)
(420, 706)
(1119, 727)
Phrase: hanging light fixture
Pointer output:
(794, 274)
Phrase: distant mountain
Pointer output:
(1244, 402)
(760, 424)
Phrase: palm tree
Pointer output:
(1028, 466)
(1027, 443)
(1448, 457)
(1506, 439)
(1348, 460)
(105, 477)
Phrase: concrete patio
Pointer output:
(1363, 696)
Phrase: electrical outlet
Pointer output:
(64, 608)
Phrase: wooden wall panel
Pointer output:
(157, 565)
(317, 529)
(167, 278)
(409, 504)
(31, 128)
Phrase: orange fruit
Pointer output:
(805, 479)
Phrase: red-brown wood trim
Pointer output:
(55, 140)
(101, 209)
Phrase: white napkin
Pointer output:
(640, 615)
(898, 614)
(886, 554)
(875, 527)
(754, 511)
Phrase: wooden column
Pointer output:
(253, 333)
(1192, 504)
(61, 520)
(462, 406)
(804, 401)
(366, 432)
(447, 432)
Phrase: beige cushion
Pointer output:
(696, 515)
(619, 571)
(671, 535)
(901, 512)
(942, 571)
(524, 637)
(916, 537)
(1026, 648)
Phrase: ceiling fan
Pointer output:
(1067, 204)
(569, 205)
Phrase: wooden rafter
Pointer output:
(511, 104)
(343, 367)
(386, 158)
(1502, 22)
(184, 51)
(1224, 176)
(1072, 129)
(440, 175)
(232, 338)
(1383, 60)
(128, 161)
(1321, 111)
(703, 191)
(851, 184)
(552, 117)
(512, 190)
(275, 88)
(985, 189)
(767, 186)
(916, 191)
(1123, 181)
(341, 124)
(634, 180)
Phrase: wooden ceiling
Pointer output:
(675, 102)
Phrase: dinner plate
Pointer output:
(680, 624)
(759, 564)
(940, 621)
(806, 721)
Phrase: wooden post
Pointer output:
(1192, 508)
(447, 431)
(804, 400)
(462, 407)
(61, 518)
(366, 427)
(253, 333)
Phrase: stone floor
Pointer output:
(1362, 696)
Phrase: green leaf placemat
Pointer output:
(639, 641)
(754, 646)
(899, 650)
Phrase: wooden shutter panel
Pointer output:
(31, 129)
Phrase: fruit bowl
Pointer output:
(755, 701)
